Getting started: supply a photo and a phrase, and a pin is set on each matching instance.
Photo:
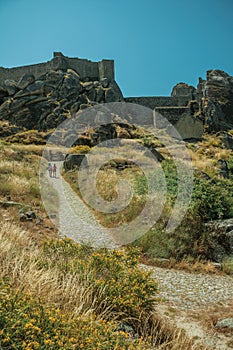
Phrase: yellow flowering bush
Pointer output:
(27, 324)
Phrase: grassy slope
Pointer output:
(211, 200)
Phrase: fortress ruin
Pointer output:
(85, 68)
(80, 82)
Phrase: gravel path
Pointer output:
(181, 289)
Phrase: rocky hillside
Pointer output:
(44, 103)
(215, 99)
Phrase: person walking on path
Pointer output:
(54, 170)
(50, 169)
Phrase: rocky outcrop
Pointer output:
(209, 107)
(74, 160)
(215, 97)
(220, 233)
(227, 140)
(182, 89)
(45, 102)
(189, 127)
(225, 324)
(106, 132)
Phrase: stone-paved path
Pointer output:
(75, 219)
(187, 290)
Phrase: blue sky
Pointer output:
(155, 43)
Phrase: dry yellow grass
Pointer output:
(21, 263)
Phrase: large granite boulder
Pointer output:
(216, 100)
(11, 87)
(45, 102)
(182, 89)
(220, 233)
(70, 85)
(227, 141)
(25, 80)
(225, 324)
(190, 127)
(74, 160)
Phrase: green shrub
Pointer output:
(227, 266)
(79, 149)
(212, 200)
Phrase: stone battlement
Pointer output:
(85, 68)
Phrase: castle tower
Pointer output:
(106, 69)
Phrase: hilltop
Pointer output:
(43, 95)
(56, 293)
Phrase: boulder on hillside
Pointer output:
(74, 160)
(190, 127)
(227, 141)
(3, 94)
(225, 324)
(220, 233)
(11, 87)
(104, 82)
(25, 80)
(70, 85)
(183, 90)
(216, 100)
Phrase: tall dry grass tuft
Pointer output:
(22, 263)
(164, 335)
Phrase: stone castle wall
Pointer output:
(85, 68)
(17, 72)
(159, 101)
(172, 114)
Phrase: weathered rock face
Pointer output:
(226, 324)
(45, 102)
(189, 127)
(25, 80)
(211, 104)
(215, 96)
(182, 89)
(221, 238)
(74, 160)
(106, 132)
(227, 141)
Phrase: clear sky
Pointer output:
(155, 43)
